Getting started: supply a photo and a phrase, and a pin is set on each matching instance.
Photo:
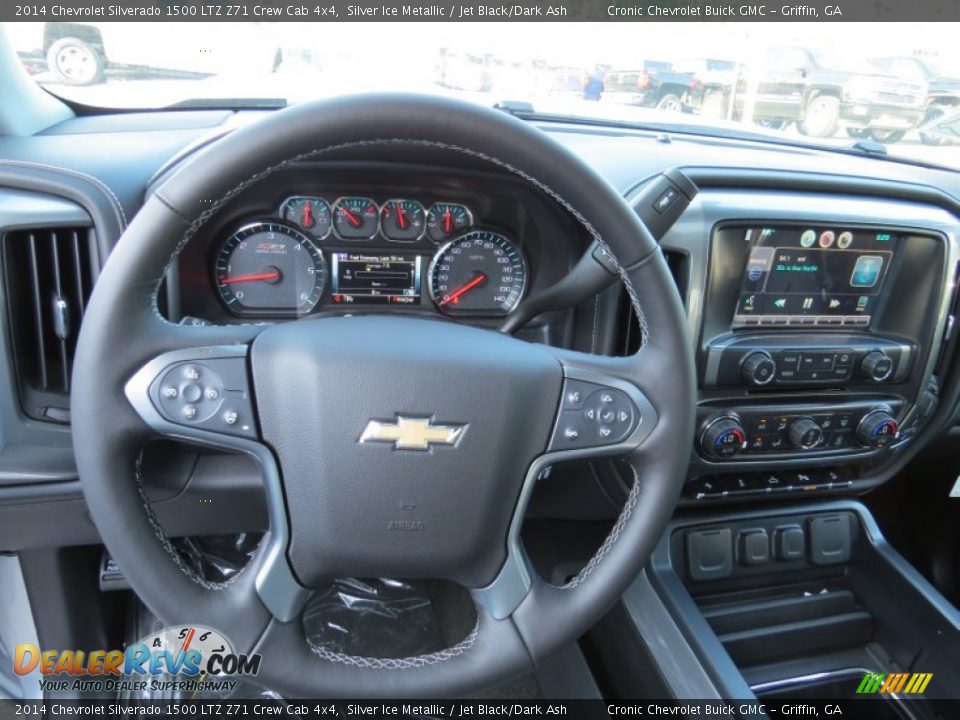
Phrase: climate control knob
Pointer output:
(758, 368)
(805, 434)
(722, 437)
(877, 429)
(876, 366)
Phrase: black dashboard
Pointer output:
(820, 288)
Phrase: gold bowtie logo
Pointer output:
(412, 433)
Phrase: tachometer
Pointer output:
(356, 218)
(269, 268)
(480, 273)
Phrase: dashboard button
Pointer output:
(790, 359)
(776, 442)
(753, 547)
(760, 424)
(757, 443)
(790, 542)
(844, 359)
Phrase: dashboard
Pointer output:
(820, 303)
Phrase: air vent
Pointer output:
(49, 275)
(630, 333)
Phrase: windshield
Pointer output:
(826, 84)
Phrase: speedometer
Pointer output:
(480, 273)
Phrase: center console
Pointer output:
(818, 322)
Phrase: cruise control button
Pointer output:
(211, 394)
(170, 393)
(230, 417)
(191, 372)
(189, 412)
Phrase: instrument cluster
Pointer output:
(354, 250)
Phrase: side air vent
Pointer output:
(49, 274)
(630, 333)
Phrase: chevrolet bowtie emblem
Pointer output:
(412, 433)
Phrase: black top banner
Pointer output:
(472, 11)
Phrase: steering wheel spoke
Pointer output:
(202, 395)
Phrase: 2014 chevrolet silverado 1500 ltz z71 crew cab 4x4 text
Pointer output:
(418, 362)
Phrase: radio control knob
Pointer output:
(758, 368)
(877, 429)
(723, 437)
(876, 366)
(804, 433)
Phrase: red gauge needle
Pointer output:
(307, 215)
(353, 219)
(252, 277)
(455, 296)
(447, 221)
(401, 218)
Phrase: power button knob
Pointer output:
(722, 437)
(758, 368)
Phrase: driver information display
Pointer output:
(813, 276)
(366, 278)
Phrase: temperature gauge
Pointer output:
(447, 220)
(356, 218)
(310, 214)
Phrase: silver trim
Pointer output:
(502, 596)
(386, 237)
(276, 585)
(446, 246)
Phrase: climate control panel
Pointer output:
(763, 431)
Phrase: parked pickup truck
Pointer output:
(943, 92)
(795, 85)
(655, 85)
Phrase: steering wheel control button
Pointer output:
(209, 395)
(723, 437)
(593, 415)
(192, 393)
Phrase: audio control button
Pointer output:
(876, 366)
(758, 368)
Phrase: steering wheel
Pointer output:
(389, 446)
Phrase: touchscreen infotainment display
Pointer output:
(375, 278)
(820, 276)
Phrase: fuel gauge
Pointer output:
(402, 220)
(448, 220)
(310, 214)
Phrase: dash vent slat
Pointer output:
(49, 274)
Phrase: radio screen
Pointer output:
(369, 278)
(813, 276)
